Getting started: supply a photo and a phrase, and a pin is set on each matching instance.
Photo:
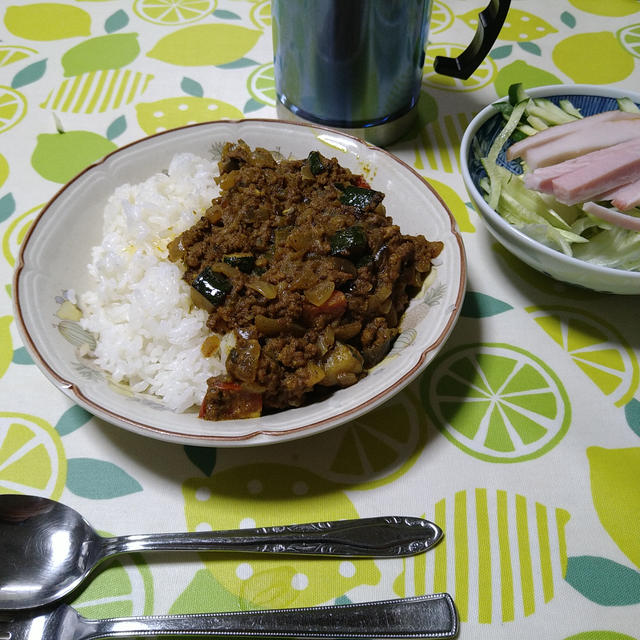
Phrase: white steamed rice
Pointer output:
(148, 333)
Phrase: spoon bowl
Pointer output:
(49, 548)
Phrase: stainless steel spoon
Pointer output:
(431, 616)
(47, 549)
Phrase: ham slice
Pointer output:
(625, 197)
(623, 220)
(516, 149)
(581, 142)
(542, 179)
(613, 167)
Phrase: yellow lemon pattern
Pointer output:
(497, 402)
(614, 487)
(265, 495)
(502, 556)
(594, 58)
(32, 459)
(171, 113)
(615, 8)
(595, 347)
(520, 26)
(191, 46)
(47, 21)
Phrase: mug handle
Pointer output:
(490, 21)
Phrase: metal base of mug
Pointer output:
(380, 135)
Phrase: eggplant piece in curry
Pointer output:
(299, 259)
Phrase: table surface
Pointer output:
(540, 541)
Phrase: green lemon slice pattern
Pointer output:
(520, 26)
(629, 38)
(481, 77)
(32, 458)
(4, 169)
(260, 495)
(371, 451)
(595, 347)
(501, 558)
(173, 12)
(124, 588)
(496, 402)
(12, 53)
(262, 85)
(15, 233)
(13, 107)
(441, 18)
(261, 14)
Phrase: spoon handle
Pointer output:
(381, 537)
(419, 617)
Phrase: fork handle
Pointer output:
(430, 616)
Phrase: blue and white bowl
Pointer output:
(476, 143)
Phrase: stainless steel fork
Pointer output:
(431, 616)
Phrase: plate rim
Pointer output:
(257, 436)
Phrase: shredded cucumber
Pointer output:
(626, 104)
(496, 147)
(568, 229)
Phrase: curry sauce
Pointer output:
(300, 260)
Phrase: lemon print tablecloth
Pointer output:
(542, 533)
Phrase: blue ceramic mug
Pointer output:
(357, 64)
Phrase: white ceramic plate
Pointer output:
(54, 255)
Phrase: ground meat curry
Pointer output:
(299, 259)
